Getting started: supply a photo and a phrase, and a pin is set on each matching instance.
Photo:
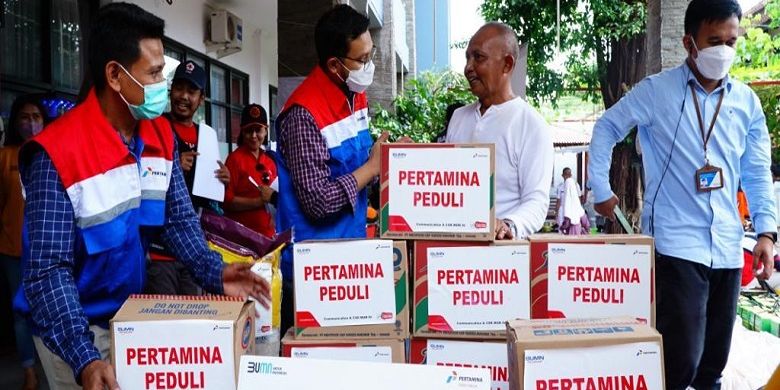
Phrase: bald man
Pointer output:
(524, 150)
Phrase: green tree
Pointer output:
(604, 44)
(758, 59)
(419, 110)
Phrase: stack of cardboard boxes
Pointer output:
(351, 301)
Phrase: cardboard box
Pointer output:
(376, 351)
(437, 191)
(592, 276)
(180, 342)
(393, 257)
(263, 373)
(462, 353)
(579, 354)
(469, 290)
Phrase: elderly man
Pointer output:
(524, 151)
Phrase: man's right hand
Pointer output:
(374, 157)
(607, 207)
(98, 375)
(187, 159)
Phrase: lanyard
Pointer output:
(706, 138)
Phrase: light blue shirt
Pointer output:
(703, 227)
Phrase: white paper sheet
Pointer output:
(206, 185)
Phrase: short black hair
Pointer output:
(335, 30)
(115, 36)
(13, 137)
(565, 169)
(775, 170)
(700, 11)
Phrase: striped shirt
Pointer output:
(306, 154)
(48, 277)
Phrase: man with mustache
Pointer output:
(165, 274)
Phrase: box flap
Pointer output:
(589, 329)
(180, 307)
(599, 238)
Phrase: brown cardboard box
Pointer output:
(397, 330)
(478, 317)
(375, 350)
(437, 191)
(597, 276)
(164, 341)
(579, 354)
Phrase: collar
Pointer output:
(494, 107)
(727, 81)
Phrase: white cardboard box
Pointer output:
(477, 288)
(600, 281)
(180, 342)
(480, 354)
(262, 373)
(437, 191)
(580, 354)
(342, 283)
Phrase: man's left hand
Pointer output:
(239, 280)
(763, 254)
(223, 173)
(503, 231)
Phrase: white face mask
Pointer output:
(359, 80)
(29, 129)
(714, 62)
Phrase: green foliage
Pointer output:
(758, 52)
(587, 28)
(421, 107)
(758, 58)
(770, 102)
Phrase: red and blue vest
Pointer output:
(114, 192)
(345, 132)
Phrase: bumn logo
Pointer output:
(260, 368)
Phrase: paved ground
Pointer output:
(11, 377)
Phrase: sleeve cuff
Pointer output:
(764, 224)
(81, 356)
(349, 185)
(601, 194)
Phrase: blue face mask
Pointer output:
(155, 99)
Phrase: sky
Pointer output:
(465, 19)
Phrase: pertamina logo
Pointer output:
(151, 171)
(455, 378)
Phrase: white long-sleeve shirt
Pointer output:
(524, 158)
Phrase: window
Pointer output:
(41, 50)
(227, 91)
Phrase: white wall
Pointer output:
(185, 22)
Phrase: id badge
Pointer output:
(709, 178)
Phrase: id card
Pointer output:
(709, 178)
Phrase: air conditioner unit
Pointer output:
(225, 33)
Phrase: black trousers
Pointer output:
(696, 307)
(170, 278)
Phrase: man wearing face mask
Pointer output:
(327, 158)
(701, 132)
(99, 182)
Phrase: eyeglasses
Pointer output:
(365, 62)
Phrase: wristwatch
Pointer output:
(512, 227)
(770, 235)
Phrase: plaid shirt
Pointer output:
(48, 279)
(306, 155)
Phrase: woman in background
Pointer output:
(253, 173)
(28, 116)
